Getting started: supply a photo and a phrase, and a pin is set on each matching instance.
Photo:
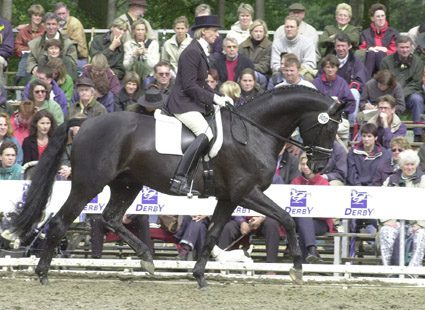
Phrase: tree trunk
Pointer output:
(6, 9)
(221, 5)
(358, 9)
(259, 9)
(112, 9)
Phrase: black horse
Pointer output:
(118, 150)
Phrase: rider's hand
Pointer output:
(222, 100)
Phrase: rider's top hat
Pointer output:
(206, 21)
(153, 98)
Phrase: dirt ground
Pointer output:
(65, 293)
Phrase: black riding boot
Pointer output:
(180, 184)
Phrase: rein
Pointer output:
(309, 149)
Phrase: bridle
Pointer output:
(310, 150)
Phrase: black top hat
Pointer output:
(153, 98)
(206, 21)
(85, 81)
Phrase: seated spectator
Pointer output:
(38, 93)
(378, 40)
(289, 73)
(308, 228)
(136, 11)
(385, 169)
(38, 45)
(137, 224)
(7, 135)
(140, 53)
(173, 47)
(191, 235)
(6, 46)
(162, 78)
(232, 89)
(331, 84)
(294, 42)
(231, 64)
(9, 169)
(152, 99)
(43, 125)
(335, 170)
(408, 70)
(383, 83)
(45, 75)
(21, 120)
(248, 84)
(257, 48)
(409, 175)
(87, 106)
(129, 93)
(213, 79)
(111, 45)
(240, 29)
(54, 51)
(26, 33)
(343, 16)
(61, 77)
(388, 123)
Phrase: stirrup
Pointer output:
(179, 186)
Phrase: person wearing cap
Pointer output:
(298, 10)
(87, 106)
(408, 70)
(192, 98)
(147, 104)
(136, 11)
(74, 29)
(111, 44)
(240, 29)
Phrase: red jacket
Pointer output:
(25, 35)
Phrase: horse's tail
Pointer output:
(42, 182)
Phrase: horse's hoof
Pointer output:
(296, 276)
(148, 266)
(202, 283)
(44, 280)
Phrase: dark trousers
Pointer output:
(193, 233)
(269, 229)
(308, 228)
(373, 62)
(139, 226)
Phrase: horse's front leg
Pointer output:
(222, 214)
(256, 200)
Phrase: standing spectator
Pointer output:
(408, 70)
(297, 10)
(38, 45)
(21, 120)
(174, 46)
(6, 135)
(378, 40)
(129, 93)
(140, 53)
(87, 105)
(136, 11)
(248, 84)
(240, 29)
(26, 33)
(257, 48)
(308, 228)
(331, 84)
(343, 16)
(294, 42)
(289, 74)
(409, 175)
(231, 64)
(7, 45)
(9, 168)
(388, 123)
(43, 125)
(162, 78)
(72, 27)
(38, 93)
(111, 45)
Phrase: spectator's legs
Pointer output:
(373, 62)
(230, 233)
(98, 230)
(270, 230)
(418, 248)
(308, 228)
(387, 238)
(192, 235)
(415, 103)
(3, 65)
(22, 72)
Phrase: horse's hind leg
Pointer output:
(256, 200)
(122, 195)
(222, 214)
(57, 228)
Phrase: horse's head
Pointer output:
(318, 131)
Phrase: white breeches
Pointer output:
(196, 122)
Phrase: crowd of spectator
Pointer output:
(377, 73)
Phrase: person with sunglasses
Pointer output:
(161, 79)
(39, 94)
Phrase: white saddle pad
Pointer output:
(168, 130)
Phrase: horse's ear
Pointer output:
(336, 108)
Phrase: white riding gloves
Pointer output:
(222, 100)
